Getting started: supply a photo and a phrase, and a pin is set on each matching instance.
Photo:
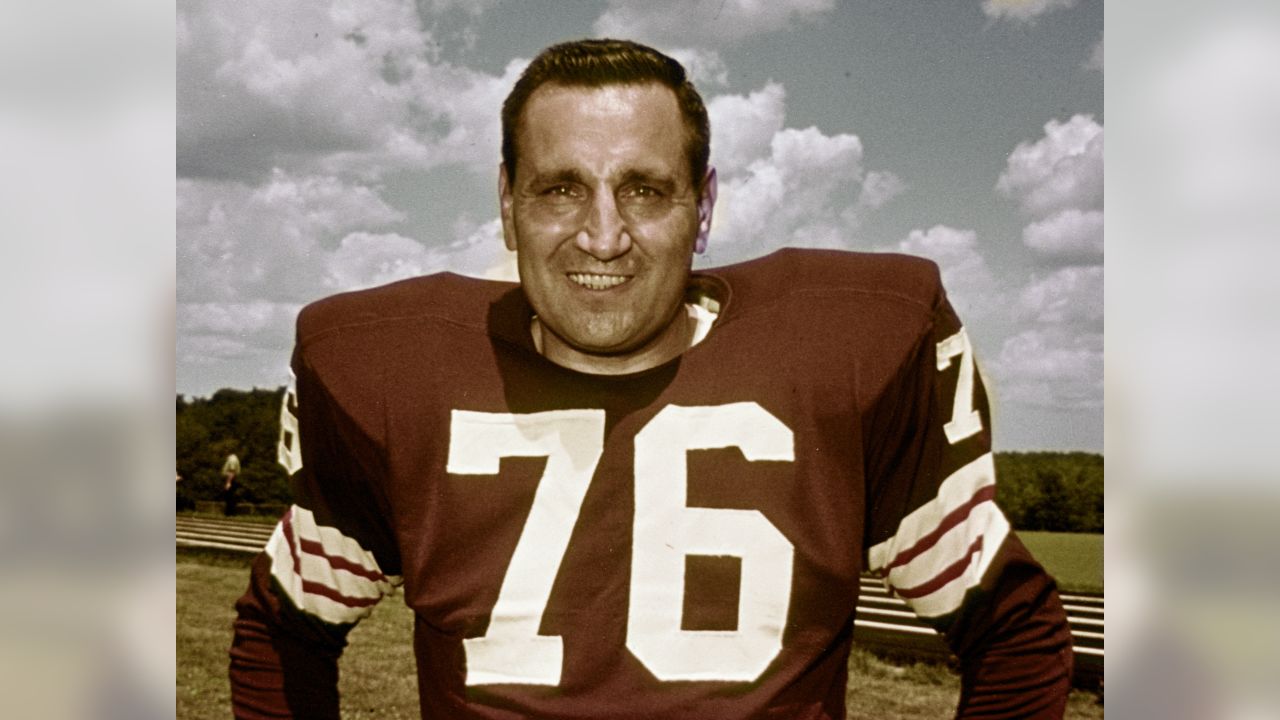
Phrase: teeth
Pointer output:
(597, 282)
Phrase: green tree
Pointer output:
(243, 422)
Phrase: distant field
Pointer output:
(379, 680)
(1075, 559)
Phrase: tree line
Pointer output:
(1060, 491)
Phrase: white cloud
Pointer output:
(1070, 233)
(481, 253)
(705, 68)
(342, 87)
(299, 238)
(1095, 60)
(1056, 359)
(250, 257)
(801, 193)
(965, 274)
(1022, 10)
(230, 343)
(364, 260)
(683, 24)
(268, 242)
(1061, 170)
(1050, 367)
(1068, 296)
(236, 318)
(878, 188)
(473, 7)
(743, 126)
(782, 186)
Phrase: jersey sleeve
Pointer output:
(937, 538)
(331, 558)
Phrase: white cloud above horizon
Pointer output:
(677, 23)
(1056, 359)
(1050, 367)
(1025, 11)
(785, 186)
(339, 88)
(1071, 233)
(1095, 61)
(1061, 170)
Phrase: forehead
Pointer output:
(563, 123)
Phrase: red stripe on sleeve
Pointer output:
(311, 586)
(951, 572)
(952, 519)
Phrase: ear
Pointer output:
(706, 203)
(505, 202)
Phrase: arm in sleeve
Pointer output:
(935, 535)
(330, 559)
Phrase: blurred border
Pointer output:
(86, 370)
(86, 376)
(1193, 583)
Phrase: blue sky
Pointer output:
(330, 146)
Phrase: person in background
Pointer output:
(230, 485)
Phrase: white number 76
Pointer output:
(665, 531)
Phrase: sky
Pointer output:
(337, 145)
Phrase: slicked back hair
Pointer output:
(596, 63)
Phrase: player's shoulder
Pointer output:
(444, 297)
(793, 272)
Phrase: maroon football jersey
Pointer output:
(683, 542)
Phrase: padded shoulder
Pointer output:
(447, 296)
(793, 271)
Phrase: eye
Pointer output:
(560, 193)
(643, 194)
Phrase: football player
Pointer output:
(622, 489)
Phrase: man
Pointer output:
(622, 489)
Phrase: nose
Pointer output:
(604, 235)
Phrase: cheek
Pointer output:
(540, 219)
(670, 237)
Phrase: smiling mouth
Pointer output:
(593, 281)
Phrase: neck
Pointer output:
(674, 340)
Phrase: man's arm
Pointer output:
(1013, 642)
(330, 559)
(938, 539)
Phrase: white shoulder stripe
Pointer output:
(331, 540)
(948, 598)
(954, 492)
(952, 547)
(324, 572)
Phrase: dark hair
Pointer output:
(595, 63)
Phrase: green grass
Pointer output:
(378, 679)
(1074, 559)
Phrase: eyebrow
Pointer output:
(651, 178)
(558, 176)
(572, 175)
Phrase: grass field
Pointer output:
(1074, 559)
(379, 680)
(259, 519)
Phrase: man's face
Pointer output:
(604, 218)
